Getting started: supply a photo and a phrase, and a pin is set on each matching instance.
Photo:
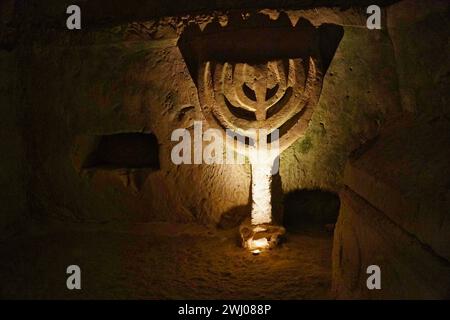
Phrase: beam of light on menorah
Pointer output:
(262, 159)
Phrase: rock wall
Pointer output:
(13, 197)
(123, 78)
(395, 206)
(131, 78)
(395, 214)
(419, 36)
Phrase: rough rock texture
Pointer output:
(395, 208)
(132, 78)
(408, 178)
(13, 199)
(101, 12)
(365, 236)
(123, 74)
(162, 261)
(117, 89)
(419, 33)
(395, 214)
(350, 110)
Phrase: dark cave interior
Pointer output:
(87, 131)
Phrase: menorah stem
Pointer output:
(261, 234)
(261, 192)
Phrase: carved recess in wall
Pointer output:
(258, 73)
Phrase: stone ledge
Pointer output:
(365, 236)
(405, 175)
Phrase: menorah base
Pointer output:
(258, 238)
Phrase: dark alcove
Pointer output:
(124, 150)
(310, 207)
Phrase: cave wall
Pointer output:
(13, 198)
(420, 40)
(349, 113)
(384, 102)
(131, 78)
(395, 203)
(112, 86)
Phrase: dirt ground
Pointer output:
(162, 261)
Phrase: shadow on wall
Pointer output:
(310, 207)
(300, 209)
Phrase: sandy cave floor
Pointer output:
(162, 261)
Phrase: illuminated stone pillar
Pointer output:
(246, 81)
(255, 101)
(261, 193)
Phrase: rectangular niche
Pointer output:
(124, 150)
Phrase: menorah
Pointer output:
(256, 100)
(260, 79)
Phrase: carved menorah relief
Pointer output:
(277, 94)
(257, 100)
(261, 90)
